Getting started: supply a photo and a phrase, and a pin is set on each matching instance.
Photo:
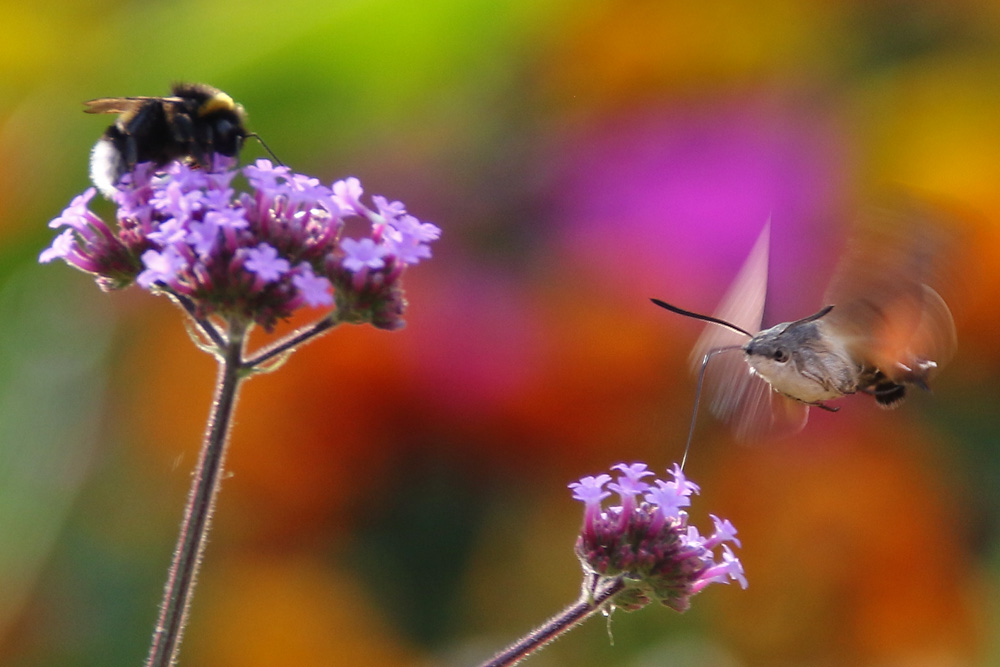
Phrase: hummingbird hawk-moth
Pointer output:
(882, 330)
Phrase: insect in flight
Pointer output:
(195, 123)
(884, 329)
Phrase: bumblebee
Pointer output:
(196, 122)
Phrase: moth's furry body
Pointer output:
(802, 362)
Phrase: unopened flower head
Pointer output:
(255, 256)
(647, 541)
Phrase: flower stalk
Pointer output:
(589, 603)
(200, 506)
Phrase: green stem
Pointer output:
(206, 327)
(590, 602)
(201, 502)
(291, 342)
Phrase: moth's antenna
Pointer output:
(697, 395)
(706, 318)
(814, 316)
(266, 147)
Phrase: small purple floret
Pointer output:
(161, 267)
(264, 261)
(315, 290)
(362, 254)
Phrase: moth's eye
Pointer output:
(781, 355)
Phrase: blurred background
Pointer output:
(400, 498)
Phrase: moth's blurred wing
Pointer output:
(738, 395)
(743, 304)
(884, 305)
(748, 403)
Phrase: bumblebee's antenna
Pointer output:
(266, 147)
(709, 318)
(697, 394)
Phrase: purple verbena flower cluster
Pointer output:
(647, 539)
(255, 256)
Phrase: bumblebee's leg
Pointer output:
(181, 126)
(130, 151)
(183, 130)
(205, 146)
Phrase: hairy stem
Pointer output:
(205, 326)
(198, 512)
(291, 342)
(588, 604)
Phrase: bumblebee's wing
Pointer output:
(737, 394)
(115, 104)
(122, 104)
(884, 304)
